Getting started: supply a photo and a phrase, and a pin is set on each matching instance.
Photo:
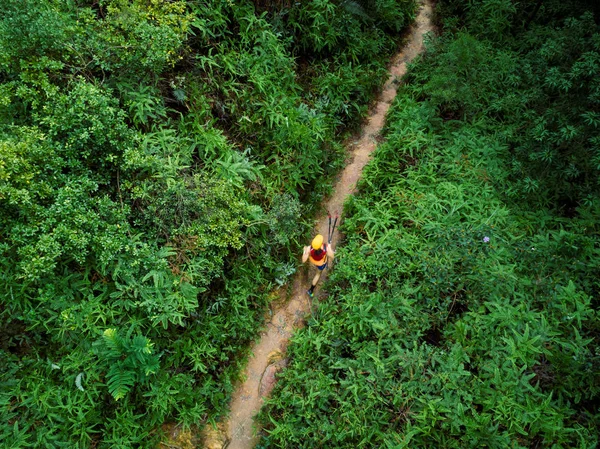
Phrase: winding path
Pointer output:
(269, 352)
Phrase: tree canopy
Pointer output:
(158, 164)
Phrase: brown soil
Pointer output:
(269, 351)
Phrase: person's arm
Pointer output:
(330, 252)
(305, 254)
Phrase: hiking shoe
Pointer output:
(310, 293)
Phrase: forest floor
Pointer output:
(268, 353)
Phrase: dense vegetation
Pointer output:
(462, 310)
(159, 162)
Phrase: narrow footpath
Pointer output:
(268, 353)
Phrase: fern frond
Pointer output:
(142, 344)
(113, 342)
(120, 381)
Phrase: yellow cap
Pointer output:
(317, 241)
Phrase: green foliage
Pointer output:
(452, 320)
(323, 26)
(144, 104)
(158, 161)
(140, 35)
(462, 308)
(537, 85)
(129, 360)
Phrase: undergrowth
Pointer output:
(462, 310)
(159, 163)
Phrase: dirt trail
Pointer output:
(269, 352)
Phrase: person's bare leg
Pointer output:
(314, 283)
(316, 279)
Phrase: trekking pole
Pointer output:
(329, 228)
(334, 224)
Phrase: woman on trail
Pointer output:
(319, 255)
